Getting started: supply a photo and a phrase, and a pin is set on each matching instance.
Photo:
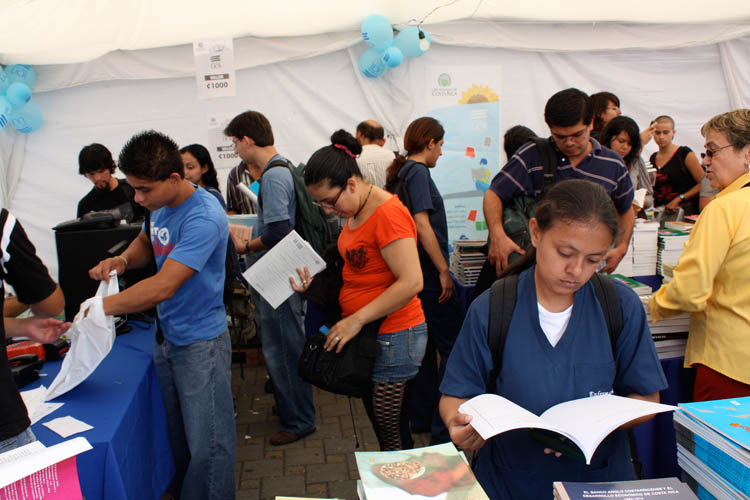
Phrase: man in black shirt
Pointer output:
(20, 267)
(96, 164)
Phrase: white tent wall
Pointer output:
(306, 99)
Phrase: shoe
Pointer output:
(284, 437)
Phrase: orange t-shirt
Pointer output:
(366, 274)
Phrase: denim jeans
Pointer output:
(282, 335)
(401, 354)
(21, 439)
(196, 383)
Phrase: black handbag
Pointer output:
(348, 372)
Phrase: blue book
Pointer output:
(728, 417)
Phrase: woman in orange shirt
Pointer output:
(381, 277)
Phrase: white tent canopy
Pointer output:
(109, 69)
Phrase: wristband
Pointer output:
(123, 259)
(247, 248)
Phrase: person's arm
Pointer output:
(52, 305)
(427, 238)
(402, 259)
(615, 255)
(137, 255)
(647, 135)
(462, 434)
(12, 307)
(501, 246)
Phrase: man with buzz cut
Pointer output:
(282, 332)
(569, 116)
(187, 237)
(374, 160)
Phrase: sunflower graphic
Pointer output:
(478, 93)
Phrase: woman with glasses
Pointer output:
(381, 278)
(711, 278)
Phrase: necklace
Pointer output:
(363, 203)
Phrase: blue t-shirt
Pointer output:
(524, 172)
(536, 376)
(279, 203)
(428, 199)
(194, 234)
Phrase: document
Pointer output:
(35, 405)
(67, 426)
(585, 422)
(34, 458)
(269, 276)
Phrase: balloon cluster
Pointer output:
(16, 106)
(388, 51)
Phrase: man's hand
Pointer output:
(101, 271)
(446, 283)
(241, 236)
(613, 258)
(500, 249)
(647, 135)
(42, 330)
(464, 435)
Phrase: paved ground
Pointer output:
(321, 465)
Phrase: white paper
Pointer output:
(639, 197)
(221, 146)
(585, 421)
(214, 68)
(21, 451)
(35, 405)
(248, 192)
(269, 276)
(28, 464)
(67, 426)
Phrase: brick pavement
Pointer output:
(321, 465)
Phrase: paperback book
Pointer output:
(670, 488)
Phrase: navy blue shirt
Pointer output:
(523, 174)
(537, 376)
(424, 195)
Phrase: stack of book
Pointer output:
(713, 447)
(670, 334)
(680, 225)
(638, 287)
(467, 260)
(644, 489)
(418, 473)
(640, 259)
(671, 244)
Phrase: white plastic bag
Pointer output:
(91, 337)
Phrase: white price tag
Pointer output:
(214, 68)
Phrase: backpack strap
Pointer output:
(549, 160)
(275, 163)
(502, 303)
(606, 294)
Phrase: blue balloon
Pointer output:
(377, 31)
(5, 109)
(4, 81)
(392, 56)
(18, 93)
(371, 63)
(408, 41)
(26, 118)
(21, 73)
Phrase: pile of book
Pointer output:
(421, 472)
(638, 287)
(670, 334)
(645, 489)
(671, 243)
(640, 259)
(467, 260)
(680, 225)
(713, 447)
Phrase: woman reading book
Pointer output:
(557, 349)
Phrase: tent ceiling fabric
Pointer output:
(54, 32)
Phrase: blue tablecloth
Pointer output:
(131, 457)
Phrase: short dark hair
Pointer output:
(152, 156)
(336, 162)
(627, 125)
(251, 124)
(371, 133)
(515, 137)
(209, 177)
(601, 101)
(568, 107)
(95, 157)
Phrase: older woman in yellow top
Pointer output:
(712, 278)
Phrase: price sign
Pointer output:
(214, 68)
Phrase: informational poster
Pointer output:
(466, 101)
(221, 146)
(214, 68)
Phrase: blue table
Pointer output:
(131, 457)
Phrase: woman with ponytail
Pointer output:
(381, 278)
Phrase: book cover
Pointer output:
(670, 488)
(638, 287)
(438, 472)
(729, 417)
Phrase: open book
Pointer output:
(585, 422)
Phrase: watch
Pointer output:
(681, 196)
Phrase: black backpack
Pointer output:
(502, 304)
(311, 222)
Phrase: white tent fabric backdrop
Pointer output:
(310, 86)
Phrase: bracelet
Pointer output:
(681, 196)
(247, 248)
(123, 259)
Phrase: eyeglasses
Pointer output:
(711, 152)
(329, 204)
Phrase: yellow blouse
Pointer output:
(712, 283)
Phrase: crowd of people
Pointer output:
(396, 269)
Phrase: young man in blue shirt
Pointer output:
(282, 332)
(569, 115)
(188, 239)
